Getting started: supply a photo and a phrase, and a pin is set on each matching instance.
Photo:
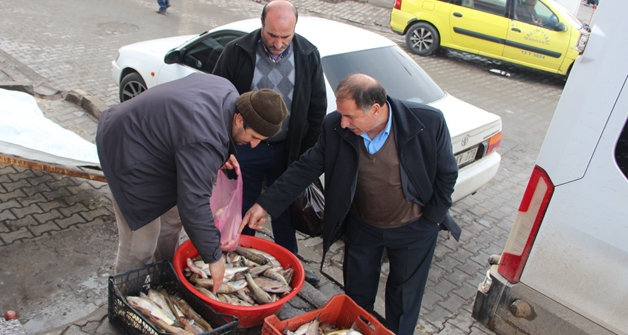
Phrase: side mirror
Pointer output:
(560, 26)
(172, 57)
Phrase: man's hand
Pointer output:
(232, 163)
(255, 218)
(217, 271)
(229, 246)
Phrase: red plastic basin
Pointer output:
(248, 316)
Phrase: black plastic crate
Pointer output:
(160, 274)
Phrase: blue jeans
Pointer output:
(265, 162)
(163, 4)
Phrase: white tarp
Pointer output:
(27, 133)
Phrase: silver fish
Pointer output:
(252, 255)
(195, 269)
(191, 313)
(272, 286)
(246, 295)
(206, 292)
(148, 308)
(275, 275)
(159, 299)
(312, 329)
(259, 295)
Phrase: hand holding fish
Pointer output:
(255, 218)
(217, 271)
(232, 163)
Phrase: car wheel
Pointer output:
(131, 86)
(422, 39)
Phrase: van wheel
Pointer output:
(131, 86)
(422, 39)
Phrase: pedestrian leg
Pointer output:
(169, 234)
(135, 248)
(410, 250)
(362, 262)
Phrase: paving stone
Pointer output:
(98, 212)
(7, 204)
(56, 194)
(23, 174)
(452, 303)
(53, 204)
(47, 216)
(39, 230)
(443, 287)
(36, 189)
(35, 198)
(75, 208)
(27, 210)
(15, 185)
(16, 235)
(64, 181)
(71, 220)
(5, 218)
(44, 178)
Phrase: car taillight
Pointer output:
(397, 4)
(531, 212)
(494, 142)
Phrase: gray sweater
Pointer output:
(164, 148)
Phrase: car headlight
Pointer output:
(117, 56)
(582, 41)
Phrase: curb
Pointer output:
(89, 103)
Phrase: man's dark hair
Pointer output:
(364, 90)
(296, 12)
(244, 124)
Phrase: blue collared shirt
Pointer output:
(271, 56)
(373, 146)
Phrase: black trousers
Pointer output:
(410, 250)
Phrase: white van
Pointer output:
(564, 269)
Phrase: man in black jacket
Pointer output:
(389, 175)
(277, 58)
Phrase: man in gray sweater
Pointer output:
(161, 152)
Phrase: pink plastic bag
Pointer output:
(226, 205)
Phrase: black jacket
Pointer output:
(309, 100)
(428, 175)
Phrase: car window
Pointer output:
(490, 6)
(401, 76)
(534, 12)
(203, 54)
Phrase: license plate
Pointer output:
(467, 156)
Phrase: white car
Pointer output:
(344, 50)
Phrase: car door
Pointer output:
(198, 55)
(537, 44)
(479, 26)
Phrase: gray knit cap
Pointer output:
(263, 110)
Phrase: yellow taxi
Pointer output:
(540, 34)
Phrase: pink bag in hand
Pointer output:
(226, 205)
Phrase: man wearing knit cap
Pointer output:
(161, 152)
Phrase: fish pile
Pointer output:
(315, 327)
(168, 313)
(252, 277)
